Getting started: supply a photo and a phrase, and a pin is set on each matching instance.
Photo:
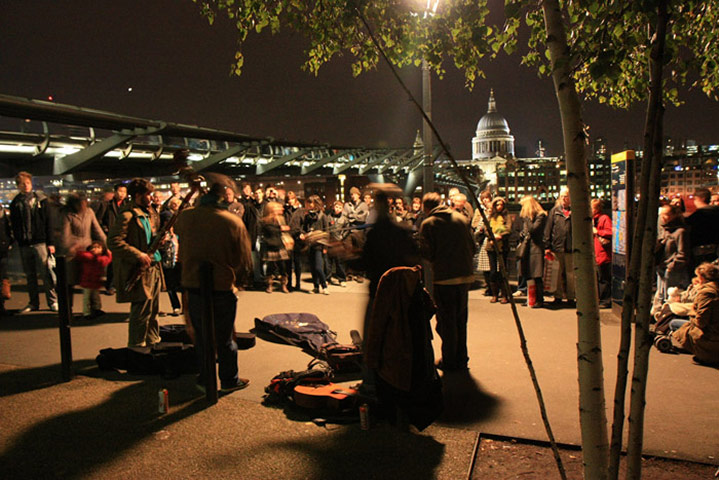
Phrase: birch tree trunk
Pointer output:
(641, 269)
(642, 340)
(592, 415)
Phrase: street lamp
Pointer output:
(427, 172)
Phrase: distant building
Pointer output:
(688, 167)
(494, 160)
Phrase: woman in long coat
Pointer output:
(531, 263)
(481, 238)
(700, 335)
(79, 229)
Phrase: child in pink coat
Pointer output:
(92, 271)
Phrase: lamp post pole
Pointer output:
(427, 172)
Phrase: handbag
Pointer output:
(523, 247)
(288, 241)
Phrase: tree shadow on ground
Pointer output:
(464, 401)
(20, 380)
(350, 453)
(44, 320)
(74, 444)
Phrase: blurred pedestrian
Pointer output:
(274, 250)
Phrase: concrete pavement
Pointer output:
(681, 416)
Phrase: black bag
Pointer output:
(522, 248)
(342, 358)
(282, 385)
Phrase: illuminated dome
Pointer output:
(492, 137)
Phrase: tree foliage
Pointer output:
(456, 31)
(609, 44)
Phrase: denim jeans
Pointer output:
(318, 269)
(224, 308)
(32, 256)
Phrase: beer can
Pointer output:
(163, 401)
(364, 416)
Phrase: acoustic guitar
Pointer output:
(329, 396)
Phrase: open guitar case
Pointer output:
(314, 337)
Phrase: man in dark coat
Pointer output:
(446, 241)
(703, 229)
(31, 221)
(109, 214)
(253, 222)
(558, 242)
(228, 250)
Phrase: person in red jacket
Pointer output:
(603, 253)
(92, 270)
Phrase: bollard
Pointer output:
(64, 315)
(209, 362)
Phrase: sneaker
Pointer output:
(54, 307)
(343, 284)
(241, 383)
(28, 308)
(324, 291)
(359, 279)
(519, 293)
(176, 312)
(316, 290)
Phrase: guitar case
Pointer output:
(304, 330)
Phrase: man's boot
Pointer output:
(269, 284)
(283, 284)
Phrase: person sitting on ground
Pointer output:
(700, 334)
(92, 263)
(671, 253)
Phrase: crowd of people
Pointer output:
(265, 237)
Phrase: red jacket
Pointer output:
(92, 268)
(603, 252)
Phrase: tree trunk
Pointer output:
(643, 340)
(642, 259)
(592, 414)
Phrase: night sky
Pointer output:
(88, 53)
